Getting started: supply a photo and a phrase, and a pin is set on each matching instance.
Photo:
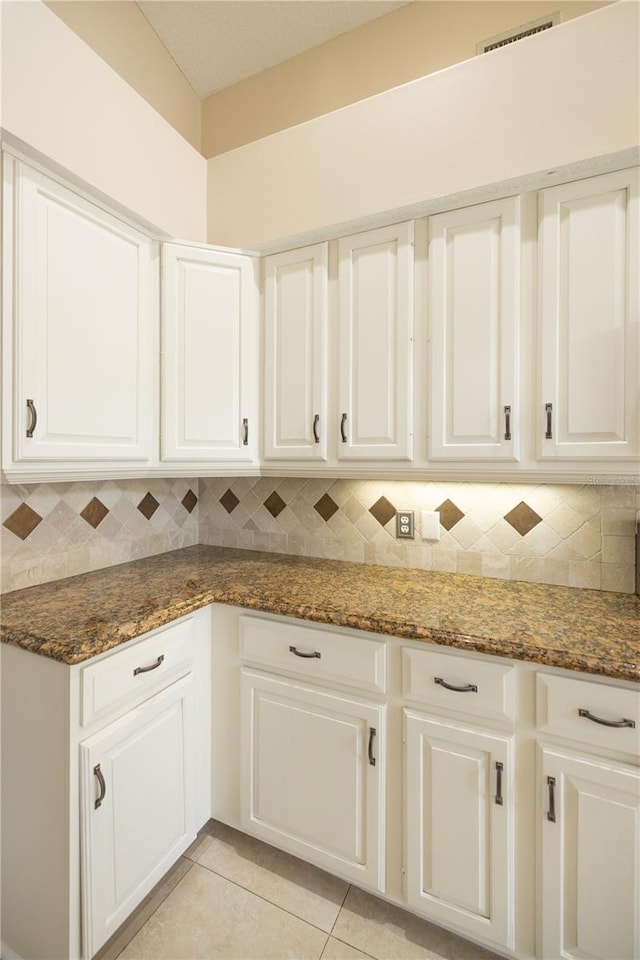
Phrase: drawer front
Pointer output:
(317, 654)
(594, 713)
(467, 684)
(128, 677)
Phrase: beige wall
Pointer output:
(551, 100)
(63, 100)
(124, 38)
(403, 45)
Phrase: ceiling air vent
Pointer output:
(518, 33)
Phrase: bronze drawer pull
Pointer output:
(97, 772)
(551, 786)
(307, 656)
(316, 435)
(33, 417)
(606, 723)
(372, 759)
(470, 687)
(498, 797)
(154, 666)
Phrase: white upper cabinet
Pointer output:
(209, 354)
(80, 308)
(375, 344)
(474, 257)
(295, 341)
(589, 391)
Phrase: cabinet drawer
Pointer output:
(594, 713)
(128, 677)
(468, 684)
(317, 654)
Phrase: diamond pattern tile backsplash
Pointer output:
(581, 536)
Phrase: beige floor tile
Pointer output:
(209, 918)
(337, 950)
(116, 944)
(386, 932)
(286, 881)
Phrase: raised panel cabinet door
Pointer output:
(295, 342)
(83, 325)
(313, 775)
(474, 257)
(375, 344)
(589, 390)
(209, 354)
(590, 867)
(459, 795)
(137, 780)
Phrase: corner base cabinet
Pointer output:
(313, 775)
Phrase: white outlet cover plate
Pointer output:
(430, 525)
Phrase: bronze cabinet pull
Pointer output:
(551, 786)
(507, 423)
(343, 433)
(153, 666)
(307, 656)
(245, 431)
(498, 798)
(469, 688)
(372, 759)
(97, 772)
(316, 421)
(606, 723)
(548, 409)
(33, 417)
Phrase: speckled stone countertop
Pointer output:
(74, 619)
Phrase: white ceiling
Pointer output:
(219, 42)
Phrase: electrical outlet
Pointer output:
(405, 525)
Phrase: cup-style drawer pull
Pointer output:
(469, 688)
(306, 656)
(97, 772)
(606, 723)
(153, 666)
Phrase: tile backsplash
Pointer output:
(565, 534)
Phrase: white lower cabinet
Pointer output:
(590, 869)
(313, 775)
(137, 810)
(459, 826)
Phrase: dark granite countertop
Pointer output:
(74, 619)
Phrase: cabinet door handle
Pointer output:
(499, 769)
(343, 432)
(548, 409)
(97, 772)
(316, 421)
(372, 759)
(469, 688)
(606, 723)
(245, 431)
(507, 423)
(551, 786)
(307, 656)
(153, 666)
(33, 417)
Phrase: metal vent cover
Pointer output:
(518, 33)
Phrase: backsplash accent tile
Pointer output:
(65, 536)
(326, 507)
(450, 514)
(22, 521)
(229, 500)
(94, 512)
(189, 501)
(523, 519)
(148, 505)
(274, 504)
(383, 511)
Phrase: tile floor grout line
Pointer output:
(264, 899)
(153, 912)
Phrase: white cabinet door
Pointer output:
(83, 324)
(475, 324)
(313, 775)
(295, 340)
(375, 344)
(137, 807)
(589, 254)
(209, 354)
(460, 859)
(590, 871)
